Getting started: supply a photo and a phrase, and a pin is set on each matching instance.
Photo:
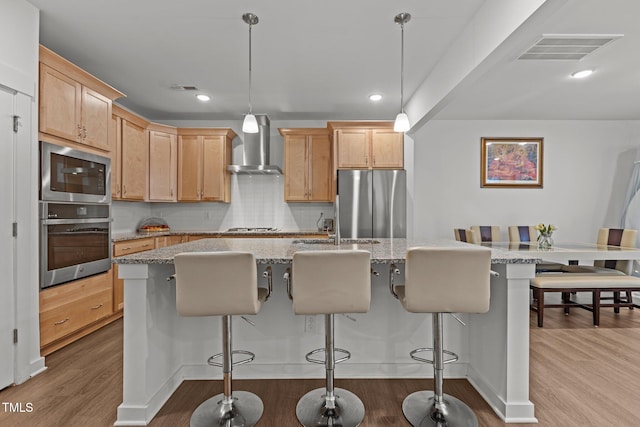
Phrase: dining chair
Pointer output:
(621, 237)
(466, 235)
(487, 233)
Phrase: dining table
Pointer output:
(162, 349)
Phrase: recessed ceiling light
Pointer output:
(581, 74)
(375, 97)
(203, 97)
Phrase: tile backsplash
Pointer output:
(256, 201)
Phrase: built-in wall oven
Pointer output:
(75, 214)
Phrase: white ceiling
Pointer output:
(321, 60)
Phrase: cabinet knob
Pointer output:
(84, 129)
(95, 307)
(79, 136)
(62, 321)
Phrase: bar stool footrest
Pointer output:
(347, 356)
(425, 349)
(212, 360)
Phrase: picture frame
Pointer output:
(511, 162)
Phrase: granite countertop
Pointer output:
(280, 251)
(117, 237)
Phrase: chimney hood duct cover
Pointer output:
(255, 151)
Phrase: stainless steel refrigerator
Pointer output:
(372, 203)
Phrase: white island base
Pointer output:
(162, 349)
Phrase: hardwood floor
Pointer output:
(580, 376)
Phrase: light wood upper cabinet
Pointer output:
(203, 157)
(59, 104)
(353, 148)
(74, 105)
(96, 114)
(367, 145)
(132, 155)
(189, 167)
(163, 164)
(387, 149)
(308, 165)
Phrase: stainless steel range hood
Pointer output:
(255, 151)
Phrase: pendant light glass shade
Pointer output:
(402, 120)
(250, 124)
(402, 123)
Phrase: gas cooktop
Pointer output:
(251, 229)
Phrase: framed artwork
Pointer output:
(511, 162)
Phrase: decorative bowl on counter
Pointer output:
(150, 225)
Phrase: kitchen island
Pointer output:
(161, 349)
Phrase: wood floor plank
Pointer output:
(579, 376)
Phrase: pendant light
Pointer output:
(250, 124)
(402, 121)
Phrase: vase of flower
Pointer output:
(544, 235)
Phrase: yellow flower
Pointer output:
(546, 229)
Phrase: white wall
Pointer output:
(19, 34)
(587, 166)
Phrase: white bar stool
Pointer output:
(330, 282)
(437, 281)
(222, 284)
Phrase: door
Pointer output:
(189, 168)
(355, 204)
(295, 168)
(389, 203)
(135, 160)
(163, 164)
(320, 169)
(7, 241)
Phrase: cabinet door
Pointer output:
(96, 115)
(115, 153)
(387, 149)
(320, 168)
(60, 100)
(213, 168)
(135, 161)
(295, 168)
(163, 166)
(189, 168)
(353, 148)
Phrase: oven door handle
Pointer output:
(74, 221)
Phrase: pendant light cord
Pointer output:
(402, 67)
(250, 28)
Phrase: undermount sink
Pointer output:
(332, 241)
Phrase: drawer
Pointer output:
(132, 246)
(67, 308)
(163, 241)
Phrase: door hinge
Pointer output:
(16, 123)
(15, 229)
(15, 336)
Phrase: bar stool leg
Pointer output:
(329, 406)
(229, 409)
(434, 408)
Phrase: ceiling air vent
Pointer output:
(567, 46)
(183, 87)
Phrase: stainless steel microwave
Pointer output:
(72, 175)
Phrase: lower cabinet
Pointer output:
(73, 310)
